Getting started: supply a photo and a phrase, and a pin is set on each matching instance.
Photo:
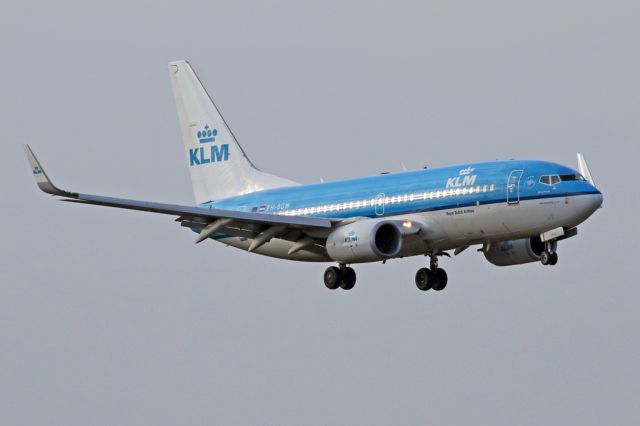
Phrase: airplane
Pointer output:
(516, 211)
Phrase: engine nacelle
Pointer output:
(367, 240)
(515, 252)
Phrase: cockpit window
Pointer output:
(549, 179)
(568, 178)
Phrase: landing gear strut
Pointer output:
(549, 256)
(433, 277)
(343, 277)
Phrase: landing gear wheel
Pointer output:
(545, 258)
(554, 259)
(332, 277)
(441, 279)
(348, 279)
(424, 279)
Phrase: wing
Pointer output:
(306, 232)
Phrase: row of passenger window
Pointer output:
(379, 201)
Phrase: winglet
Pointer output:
(584, 169)
(43, 181)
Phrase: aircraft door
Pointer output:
(379, 204)
(513, 187)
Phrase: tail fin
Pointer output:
(218, 165)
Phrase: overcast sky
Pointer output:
(116, 317)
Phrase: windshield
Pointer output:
(554, 179)
(576, 177)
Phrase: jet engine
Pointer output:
(515, 252)
(366, 240)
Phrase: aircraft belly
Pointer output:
(457, 227)
(467, 224)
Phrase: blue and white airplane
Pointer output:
(516, 211)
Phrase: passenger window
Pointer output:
(545, 180)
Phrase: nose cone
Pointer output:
(596, 201)
(597, 196)
(589, 203)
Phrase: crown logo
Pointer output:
(37, 170)
(207, 134)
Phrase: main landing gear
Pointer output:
(343, 277)
(549, 256)
(433, 277)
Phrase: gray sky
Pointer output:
(116, 317)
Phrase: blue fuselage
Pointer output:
(418, 191)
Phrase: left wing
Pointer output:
(260, 227)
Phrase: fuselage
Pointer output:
(460, 205)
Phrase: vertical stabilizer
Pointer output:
(219, 167)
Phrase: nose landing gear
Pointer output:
(343, 277)
(433, 277)
(549, 256)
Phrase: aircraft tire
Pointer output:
(441, 279)
(545, 258)
(348, 279)
(332, 277)
(424, 279)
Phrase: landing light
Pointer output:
(407, 224)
